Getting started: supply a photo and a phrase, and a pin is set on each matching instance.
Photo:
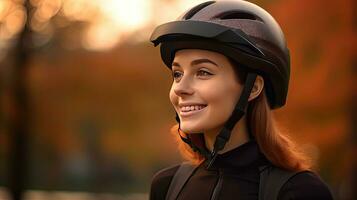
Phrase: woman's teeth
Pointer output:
(191, 108)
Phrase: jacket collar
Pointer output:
(247, 155)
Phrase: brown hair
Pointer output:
(277, 147)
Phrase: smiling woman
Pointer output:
(230, 68)
(200, 82)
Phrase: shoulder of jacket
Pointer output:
(164, 175)
(161, 181)
(305, 185)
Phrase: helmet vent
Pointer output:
(197, 8)
(239, 15)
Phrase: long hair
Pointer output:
(277, 147)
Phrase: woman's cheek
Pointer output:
(173, 97)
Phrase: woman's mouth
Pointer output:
(189, 110)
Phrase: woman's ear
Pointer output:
(257, 88)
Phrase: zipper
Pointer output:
(218, 186)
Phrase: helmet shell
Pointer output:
(252, 23)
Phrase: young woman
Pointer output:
(230, 67)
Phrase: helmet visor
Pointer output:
(236, 38)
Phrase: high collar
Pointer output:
(247, 155)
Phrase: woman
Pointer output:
(230, 67)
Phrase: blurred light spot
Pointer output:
(15, 21)
(38, 26)
(128, 14)
(170, 10)
(81, 10)
(4, 9)
(100, 37)
(116, 18)
(187, 4)
(47, 9)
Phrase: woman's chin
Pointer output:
(191, 130)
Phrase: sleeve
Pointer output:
(305, 186)
(161, 181)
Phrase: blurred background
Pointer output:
(84, 108)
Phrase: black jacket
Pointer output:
(239, 171)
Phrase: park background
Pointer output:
(84, 108)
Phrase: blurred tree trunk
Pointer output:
(19, 119)
(354, 109)
(354, 131)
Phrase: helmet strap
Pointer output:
(193, 146)
(238, 112)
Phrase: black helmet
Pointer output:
(245, 33)
(238, 29)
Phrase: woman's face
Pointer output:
(204, 91)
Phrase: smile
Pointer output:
(189, 110)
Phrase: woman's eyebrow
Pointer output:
(196, 62)
(202, 60)
(176, 64)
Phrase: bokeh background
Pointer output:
(84, 109)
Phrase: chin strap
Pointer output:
(202, 151)
(224, 135)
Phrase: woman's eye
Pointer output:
(203, 73)
(176, 75)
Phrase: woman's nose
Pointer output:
(183, 87)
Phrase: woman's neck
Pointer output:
(238, 137)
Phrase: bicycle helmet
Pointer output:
(245, 33)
